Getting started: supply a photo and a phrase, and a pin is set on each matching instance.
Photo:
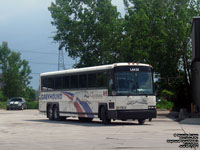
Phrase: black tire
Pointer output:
(22, 107)
(50, 113)
(62, 118)
(56, 115)
(141, 121)
(104, 117)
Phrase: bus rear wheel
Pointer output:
(50, 113)
(104, 117)
(56, 115)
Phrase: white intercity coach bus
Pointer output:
(118, 91)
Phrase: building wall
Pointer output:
(196, 83)
(196, 61)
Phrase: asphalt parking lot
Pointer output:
(30, 130)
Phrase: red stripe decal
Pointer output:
(78, 108)
(71, 98)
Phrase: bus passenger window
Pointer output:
(102, 79)
(74, 81)
(92, 80)
(44, 84)
(50, 84)
(58, 83)
(66, 82)
(83, 81)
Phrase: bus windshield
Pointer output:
(132, 83)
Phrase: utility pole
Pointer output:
(61, 64)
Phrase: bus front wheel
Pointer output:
(104, 118)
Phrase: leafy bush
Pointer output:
(2, 97)
(164, 104)
(3, 105)
(32, 105)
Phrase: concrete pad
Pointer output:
(29, 130)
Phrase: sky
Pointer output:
(26, 26)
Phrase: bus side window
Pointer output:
(44, 84)
(50, 84)
(92, 80)
(74, 81)
(66, 82)
(58, 83)
(83, 81)
(102, 79)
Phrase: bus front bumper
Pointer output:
(132, 114)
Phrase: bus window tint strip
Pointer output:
(92, 80)
(58, 83)
(50, 84)
(44, 84)
(66, 82)
(83, 81)
(74, 81)
(102, 79)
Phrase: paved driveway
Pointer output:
(29, 130)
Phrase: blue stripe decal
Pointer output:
(86, 107)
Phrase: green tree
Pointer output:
(15, 72)
(30, 94)
(88, 30)
(152, 31)
(160, 33)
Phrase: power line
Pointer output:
(37, 52)
(42, 63)
(45, 63)
(36, 73)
